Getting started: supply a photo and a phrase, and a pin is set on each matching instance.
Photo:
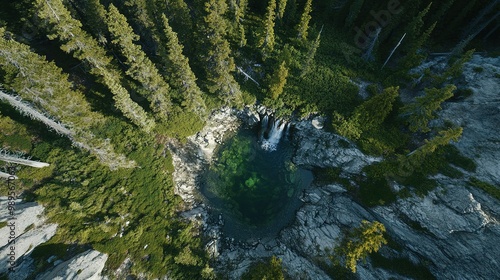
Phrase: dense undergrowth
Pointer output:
(151, 78)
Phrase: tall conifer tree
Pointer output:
(267, 40)
(354, 10)
(423, 109)
(53, 100)
(219, 64)
(281, 8)
(303, 26)
(83, 47)
(140, 66)
(278, 81)
(306, 67)
(181, 75)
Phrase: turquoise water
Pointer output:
(256, 191)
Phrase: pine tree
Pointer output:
(267, 40)
(354, 10)
(456, 67)
(413, 29)
(278, 81)
(93, 14)
(140, 67)
(358, 243)
(375, 110)
(389, 33)
(74, 40)
(56, 104)
(423, 109)
(238, 9)
(444, 6)
(219, 64)
(306, 67)
(415, 55)
(417, 157)
(349, 128)
(182, 77)
(179, 17)
(303, 25)
(281, 8)
(443, 138)
(367, 116)
(458, 19)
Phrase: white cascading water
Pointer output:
(274, 136)
(265, 121)
(287, 131)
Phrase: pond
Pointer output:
(253, 183)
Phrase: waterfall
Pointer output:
(287, 131)
(263, 129)
(270, 143)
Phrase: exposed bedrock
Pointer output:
(454, 230)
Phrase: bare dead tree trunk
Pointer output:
(7, 176)
(22, 161)
(368, 54)
(247, 75)
(30, 112)
(393, 50)
(480, 16)
(492, 31)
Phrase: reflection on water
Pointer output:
(256, 190)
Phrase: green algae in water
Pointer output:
(254, 187)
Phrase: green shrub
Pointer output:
(478, 69)
(490, 189)
(269, 269)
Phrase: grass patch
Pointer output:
(488, 188)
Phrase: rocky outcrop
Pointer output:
(317, 148)
(85, 266)
(448, 229)
(190, 158)
(454, 230)
(29, 227)
(479, 115)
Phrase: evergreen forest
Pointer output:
(99, 88)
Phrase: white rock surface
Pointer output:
(318, 122)
(27, 214)
(448, 229)
(189, 159)
(322, 149)
(213, 133)
(479, 115)
(85, 266)
(454, 230)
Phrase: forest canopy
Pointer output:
(98, 88)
